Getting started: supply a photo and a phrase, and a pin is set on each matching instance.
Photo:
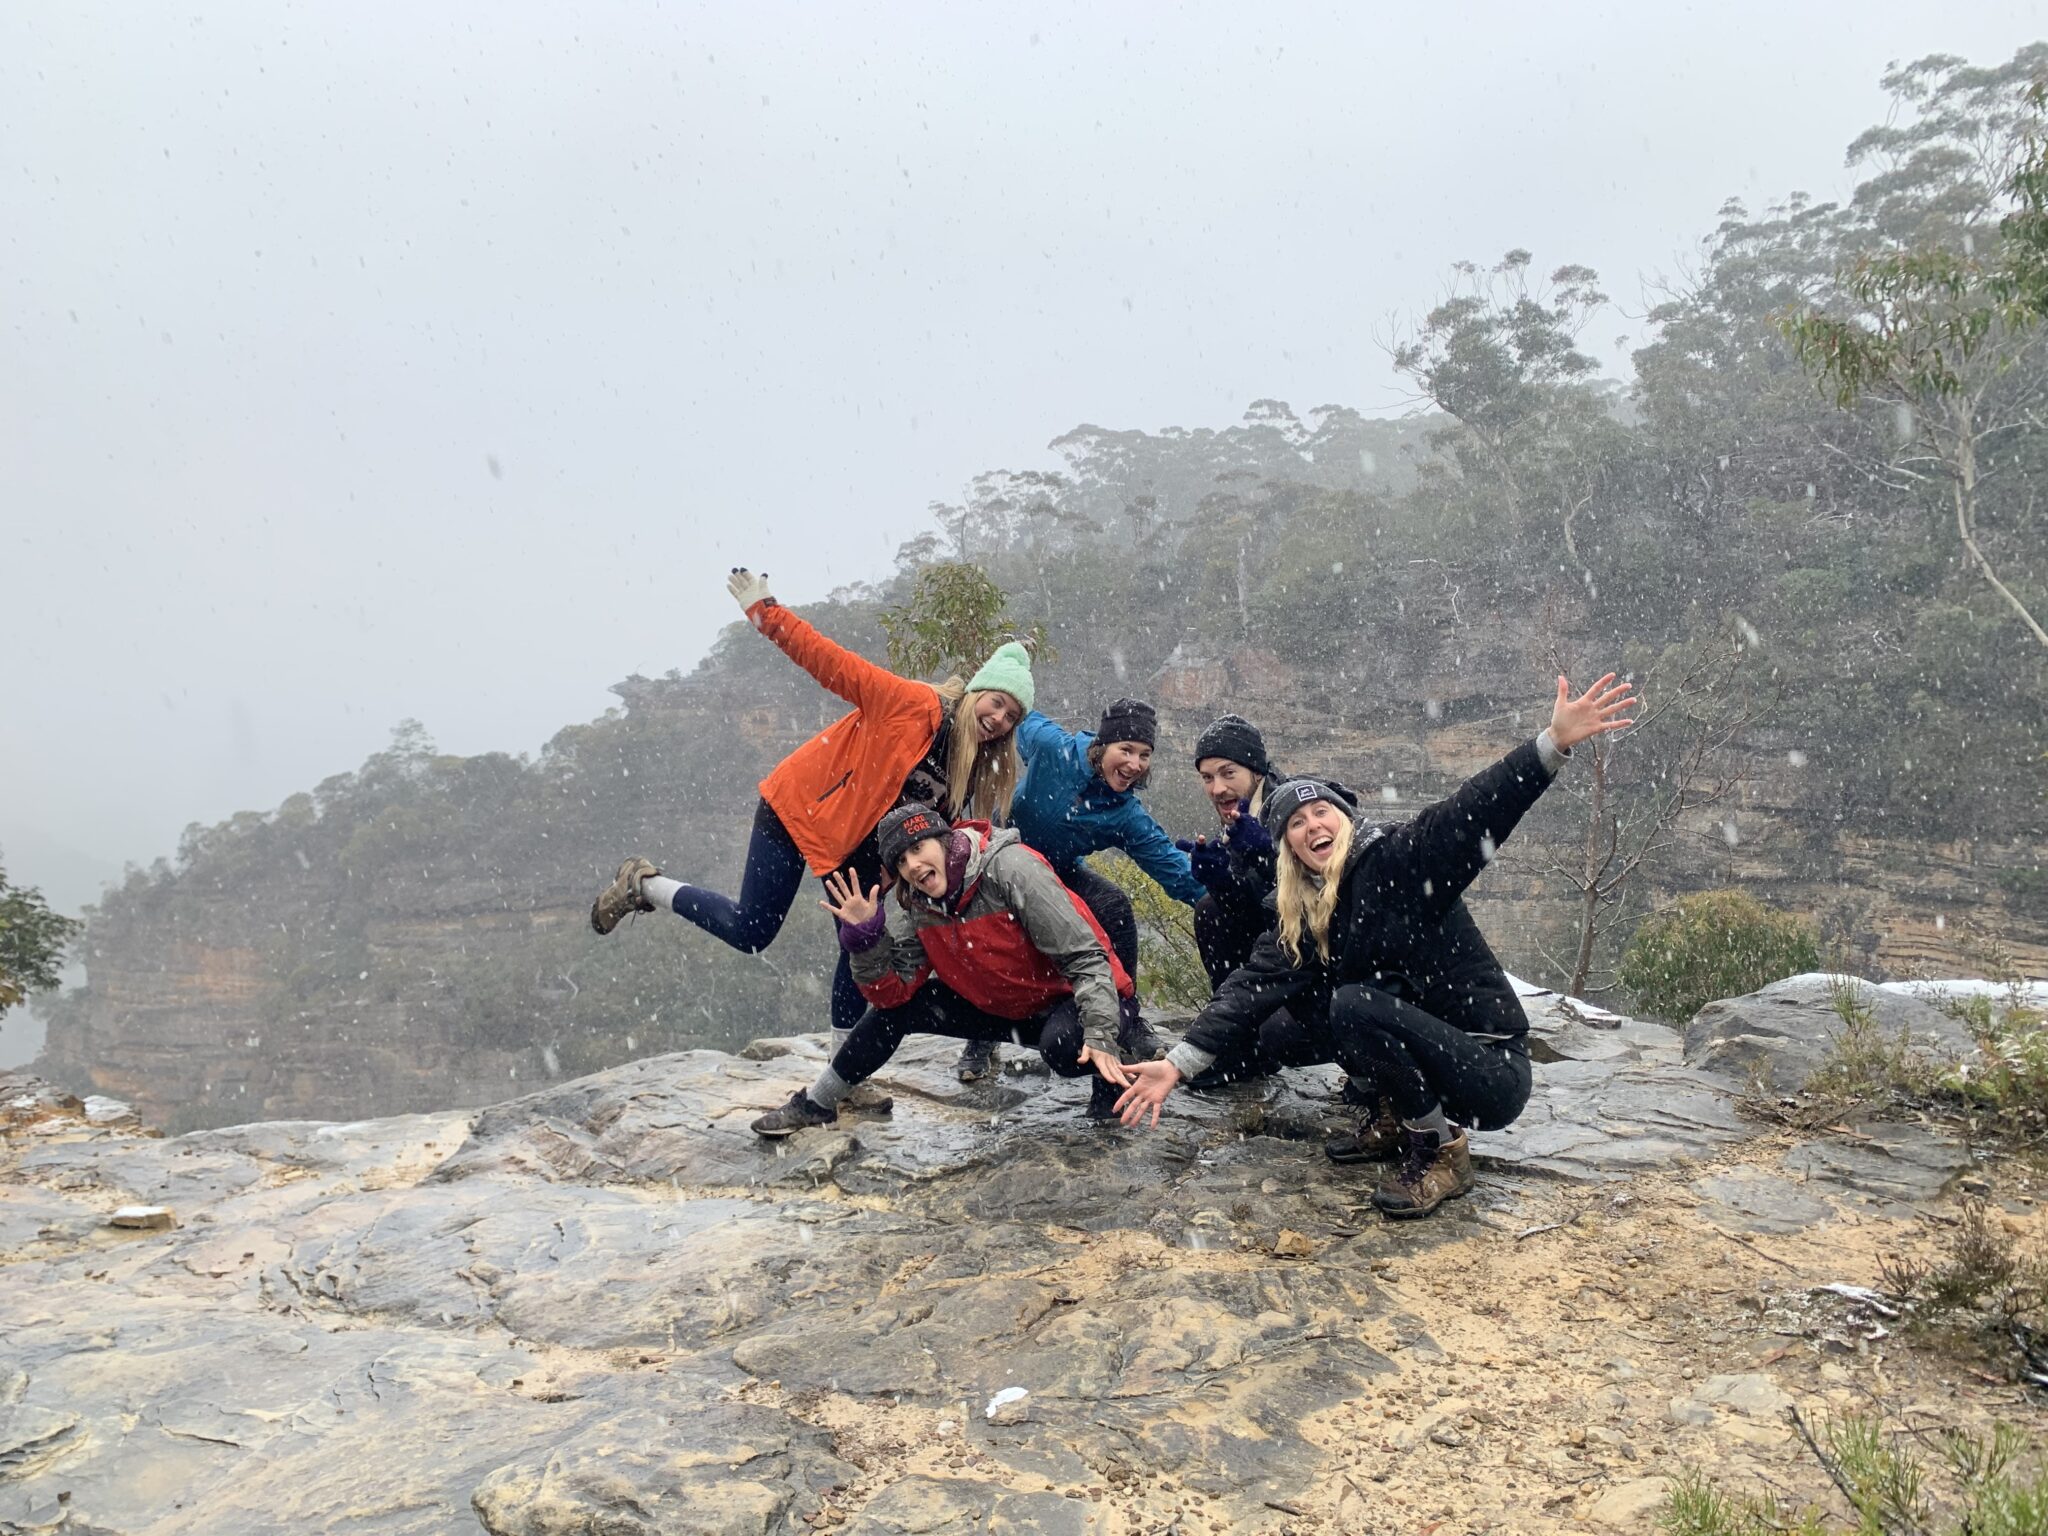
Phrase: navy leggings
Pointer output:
(774, 874)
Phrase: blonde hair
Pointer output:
(981, 776)
(1304, 899)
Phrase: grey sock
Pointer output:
(1434, 1122)
(829, 1089)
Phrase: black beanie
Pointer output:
(1237, 739)
(1129, 720)
(905, 826)
(1290, 797)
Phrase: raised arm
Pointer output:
(854, 678)
(1433, 858)
(1036, 734)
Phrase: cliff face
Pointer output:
(417, 939)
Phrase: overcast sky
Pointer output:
(374, 360)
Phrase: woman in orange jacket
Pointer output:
(948, 746)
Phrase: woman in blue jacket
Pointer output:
(1080, 796)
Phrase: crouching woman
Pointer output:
(982, 942)
(1375, 952)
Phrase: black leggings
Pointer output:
(1226, 934)
(938, 1010)
(1112, 909)
(773, 876)
(1419, 1062)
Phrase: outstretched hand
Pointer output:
(1108, 1064)
(845, 901)
(1151, 1083)
(1593, 713)
(748, 589)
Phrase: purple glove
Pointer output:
(1248, 835)
(858, 938)
(1210, 862)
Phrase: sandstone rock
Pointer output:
(144, 1218)
(1630, 1505)
(1788, 1027)
(103, 1111)
(1689, 1412)
(1290, 1244)
(1752, 1395)
(1012, 1405)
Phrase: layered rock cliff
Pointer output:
(413, 936)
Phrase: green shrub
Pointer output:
(1712, 945)
(1888, 1480)
(1170, 972)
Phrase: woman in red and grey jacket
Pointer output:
(982, 943)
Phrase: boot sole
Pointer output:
(1414, 1212)
(1351, 1157)
(785, 1133)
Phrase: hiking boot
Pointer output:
(1377, 1138)
(1243, 1068)
(622, 896)
(867, 1099)
(1102, 1097)
(1428, 1174)
(798, 1114)
(977, 1060)
(1136, 1039)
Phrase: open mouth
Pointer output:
(1322, 842)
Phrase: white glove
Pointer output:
(748, 589)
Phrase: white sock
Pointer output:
(661, 890)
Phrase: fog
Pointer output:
(374, 361)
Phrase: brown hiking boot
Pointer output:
(1377, 1138)
(1427, 1175)
(622, 896)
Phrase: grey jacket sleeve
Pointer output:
(1053, 922)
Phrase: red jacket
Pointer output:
(1012, 940)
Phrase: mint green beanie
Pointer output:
(1008, 671)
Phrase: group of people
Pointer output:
(950, 825)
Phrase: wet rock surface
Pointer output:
(1783, 1032)
(608, 1306)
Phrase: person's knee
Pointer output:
(1060, 1042)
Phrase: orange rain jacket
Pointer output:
(830, 792)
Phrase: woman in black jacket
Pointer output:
(1373, 950)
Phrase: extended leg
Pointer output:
(774, 872)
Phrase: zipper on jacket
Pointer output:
(834, 789)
